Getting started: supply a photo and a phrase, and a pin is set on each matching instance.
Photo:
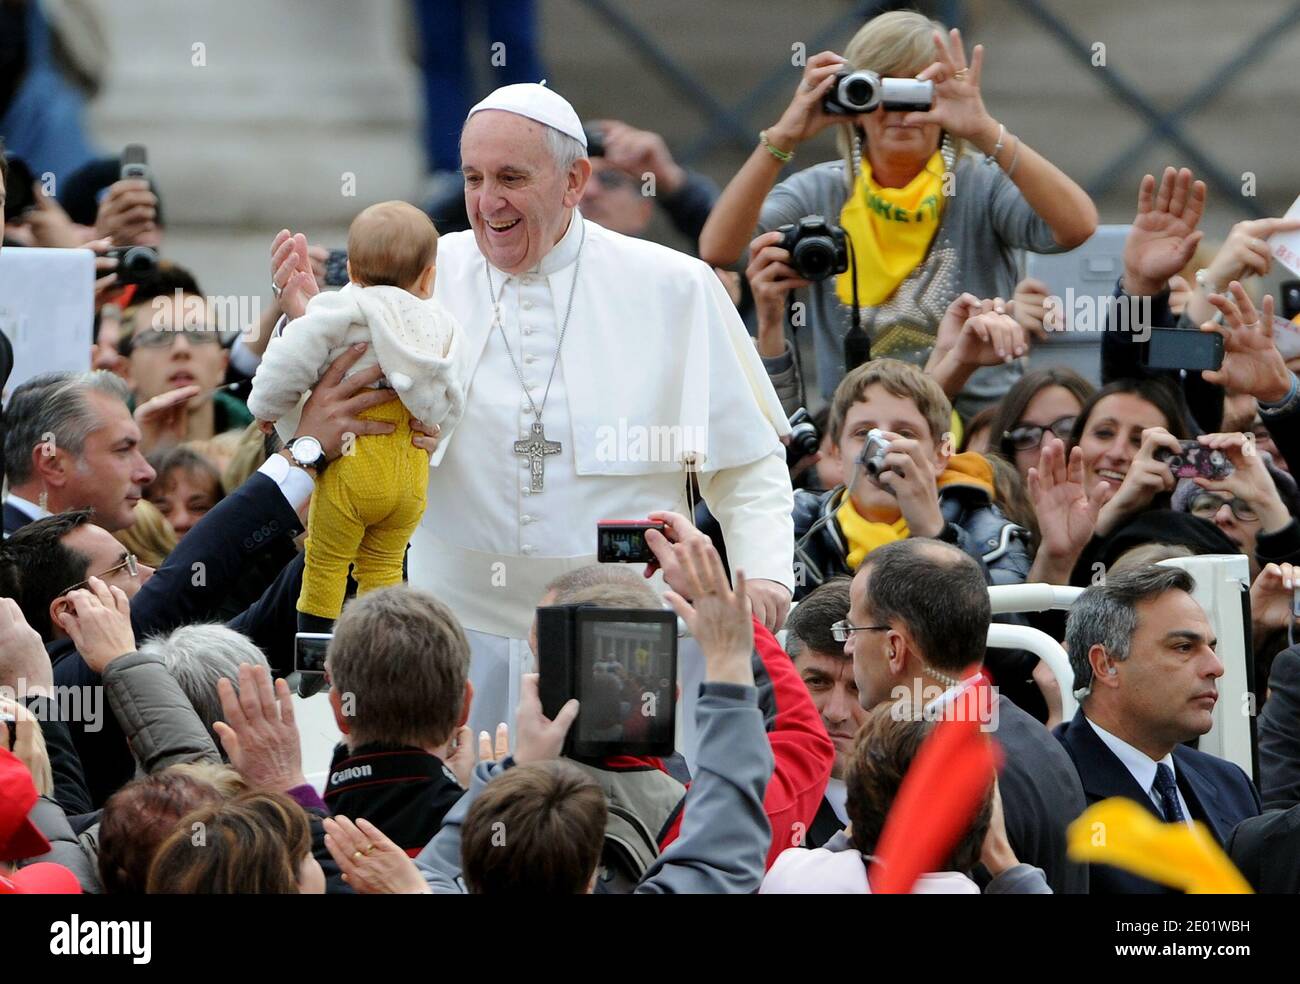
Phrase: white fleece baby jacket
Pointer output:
(414, 341)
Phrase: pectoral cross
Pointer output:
(535, 449)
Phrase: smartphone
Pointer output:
(336, 268)
(135, 163)
(1196, 461)
(1289, 298)
(1183, 348)
(309, 651)
(622, 541)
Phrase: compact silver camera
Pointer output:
(864, 92)
(872, 458)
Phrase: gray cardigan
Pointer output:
(984, 222)
(722, 847)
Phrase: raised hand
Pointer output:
(1251, 362)
(804, 117)
(1164, 236)
(1272, 596)
(292, 272)
(718, 618)
(1067, 511)
(1147, 477)
(369, 861)
(958, 104)
(537, 737)
(99, 623)
(259, 734)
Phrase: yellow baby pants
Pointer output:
(363, 511)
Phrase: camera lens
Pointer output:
(856, 92)
(814, 257)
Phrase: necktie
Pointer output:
(1167, 790)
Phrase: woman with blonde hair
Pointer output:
(925, 219)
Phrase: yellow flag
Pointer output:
(1121, 833)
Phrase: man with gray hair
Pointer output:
(72, 443)
(197, 656)
(604, 371)
(1145, 673)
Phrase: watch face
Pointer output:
(306, 450)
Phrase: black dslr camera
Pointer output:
(621, 664)
(817, 249)
(865, 92)
(135, 264)
(804, 439)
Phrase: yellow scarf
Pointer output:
(864, 535)
(891, 230)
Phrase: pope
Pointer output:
(600, 372)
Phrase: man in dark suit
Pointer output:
(53, 554)
(909, 640)
(1266, 850)
(72, 443)
(1279, 733)
(1146, 674)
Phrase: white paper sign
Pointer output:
(47, 310)
(1286, 336)
(1285, 246)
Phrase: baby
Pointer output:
(367, 503)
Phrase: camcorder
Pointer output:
(804, 439)
(622, 541)
(621, 665)
(872, 458)
(817, 249)
(865, 91)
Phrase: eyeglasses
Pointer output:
(1206, 504)
(1030, 436)
(129, 563)
(841, 630)
(152, 338)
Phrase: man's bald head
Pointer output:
(391, 243)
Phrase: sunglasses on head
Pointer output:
(1026, 437)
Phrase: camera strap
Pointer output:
(857, 346)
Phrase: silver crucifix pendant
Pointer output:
(535, 449)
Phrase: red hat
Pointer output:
(43, 878)
(19, 837)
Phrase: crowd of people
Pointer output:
(177, 516)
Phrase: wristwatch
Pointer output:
(307, 452)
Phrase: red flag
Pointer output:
(943, 789)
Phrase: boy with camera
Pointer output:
(889, 427)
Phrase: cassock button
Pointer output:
(530, 359)
(527, 305)
(527, 330)
(528, 549)
(525, 519)
(526, 279)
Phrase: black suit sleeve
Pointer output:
(1279, 733)
(216, 555)
(272, 621)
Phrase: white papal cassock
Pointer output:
(656, 367)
